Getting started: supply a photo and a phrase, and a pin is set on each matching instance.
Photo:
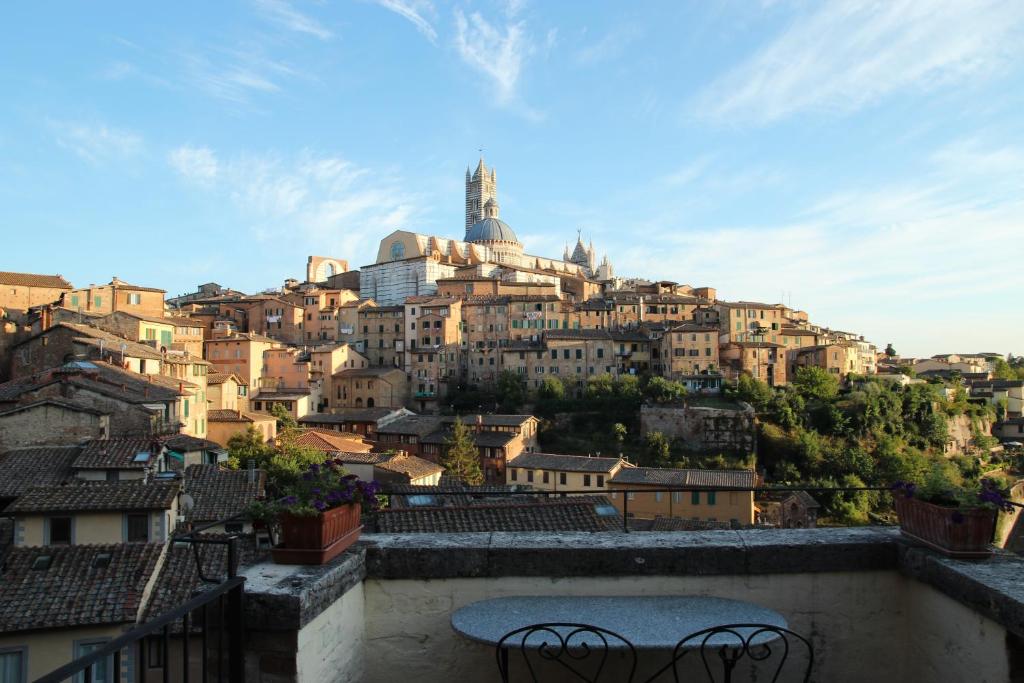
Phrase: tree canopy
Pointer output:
(460, 458)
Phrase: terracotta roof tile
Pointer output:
(219, 493)
(75, 590)
(33, 280)
(83, 496)
(24, 468)
(120, 454)
(564, 463)
(660, 476)
(409, 465)
(580, 513)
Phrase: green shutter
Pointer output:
(186, 407)
(165, 338)
(695, 497)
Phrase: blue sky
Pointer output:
(864, 160)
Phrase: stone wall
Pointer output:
(703, 429)
(49, 425)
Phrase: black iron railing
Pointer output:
(213, 618)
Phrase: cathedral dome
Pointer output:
(491, 230)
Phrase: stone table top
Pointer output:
(648, 622)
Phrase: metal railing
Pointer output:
(220, 620)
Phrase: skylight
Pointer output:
(141, 456)
(101, 561)
(419, 501)
(42, 562)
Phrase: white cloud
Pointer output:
(413, 10)
(324, 202)
(96, 143)
(281, 12)
(195, 163)
(908, 263)
(848, 54)
(236, 75)
(497, 53)
(612, 45)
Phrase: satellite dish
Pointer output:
(187, 503)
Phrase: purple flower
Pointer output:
(315, 492)
(314, 468)
(289, 500)
(334, 497)
(320, 505)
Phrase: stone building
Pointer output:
(712, 495)
(116, 295)
(761, 360)
(410, 264)
(21, 291)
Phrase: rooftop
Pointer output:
(579, 513)
(220, 493)
(127, 453)
(23, 468)
(565, 463)
(33, 280)
(659, 476)
(409, 465)
(96, 496)
(81, 585)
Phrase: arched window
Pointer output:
(329, 269)
(397, 251)
(369, 403)
(359, 403)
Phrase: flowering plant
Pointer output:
(324, 486)
(988, 495)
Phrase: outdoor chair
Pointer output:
(566, 651)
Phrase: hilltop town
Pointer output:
(476, 383)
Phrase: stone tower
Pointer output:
(481, 186)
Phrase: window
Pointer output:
(600, 353)
(529, 475)
(186, 407)
(677, 497)
(13, 665)
(561, 478)
(657, 496)
(600, 481)
(398, 253)
(137, 528)
(586, 480)
(515, 474)
(547, 478)
(60, 531)
(711, 497)
(101, 670)
(695, 497)
(97, 301)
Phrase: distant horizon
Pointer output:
(860, 162)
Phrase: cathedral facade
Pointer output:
(409, 263)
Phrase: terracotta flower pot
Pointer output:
(319, 538)
(957, 532)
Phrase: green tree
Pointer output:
(619, 434)
(285, 420)
(511, 391)
(753, 391)
(551, 388)
(889, 351)
(460, 458)
(247, 446)
(601, 386)
(627, 386)
(661, 390)
(816, 383)
(656, 449)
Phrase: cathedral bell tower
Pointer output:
(481, 186)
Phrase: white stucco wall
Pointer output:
(866, 626)
(331, 646)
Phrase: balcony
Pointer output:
(875, 608)
(425, 394)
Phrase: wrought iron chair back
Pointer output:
(581, 651)
(730, 644)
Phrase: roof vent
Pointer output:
(42, 562)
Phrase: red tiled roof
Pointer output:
(33, 280)
(75, 590)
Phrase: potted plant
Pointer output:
(320, 512)
(955, 520)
